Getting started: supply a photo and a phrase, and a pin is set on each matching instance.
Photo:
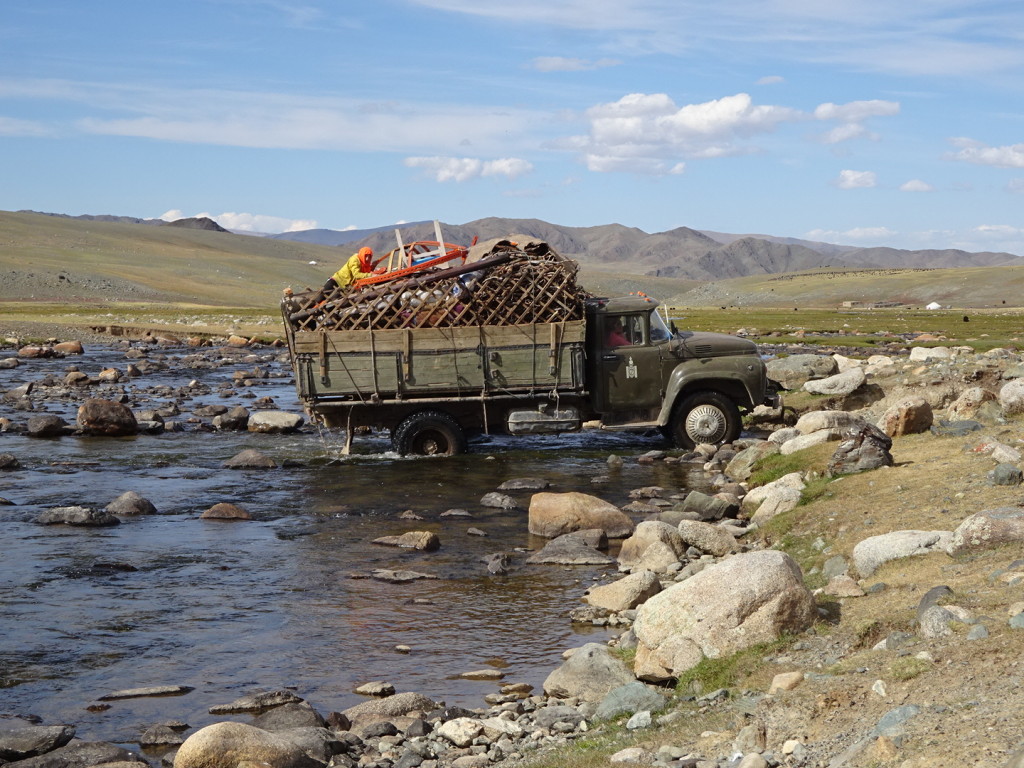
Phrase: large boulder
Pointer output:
(626, 593)
(399, 705)
(20, 739)
(909, 416)
(742, 601)
(105, 417)
(796, 370)
(653, 546)
(873, 551)
(589, 674)
(863, 448)
(1011, 397)
(277, 422)
(970, 404)
(45, 425)
(225, 745)
(988, 529)
(814, 421)
(840, 384)
(712, 539)
(741, 467)
(554, 514)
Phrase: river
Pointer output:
(230, 608)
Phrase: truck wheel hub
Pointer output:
(707, 423)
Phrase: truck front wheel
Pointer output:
(705, 417)
(429, 433)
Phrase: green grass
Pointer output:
(728, 671)
(909, 667)
(868, 330)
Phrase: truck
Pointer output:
(509, 342)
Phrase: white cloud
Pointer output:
(1016, 186)
(248, 222)
(978, 153)
(856, 111)
(278, 120)
(13, 127)
(850, 117)
(649, 133)
(771, 80)
(846, 132)
(564, 64)
(461, 169)
(999, 230)
(856, 179)
(916, 185)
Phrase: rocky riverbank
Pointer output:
(872, 588)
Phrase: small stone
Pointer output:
(786, 681)
(225, 511)
(376, 688)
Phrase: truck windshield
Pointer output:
(659, 329)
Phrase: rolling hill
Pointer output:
(86, 259)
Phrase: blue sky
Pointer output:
(863, 123)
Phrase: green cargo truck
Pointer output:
(614, 362)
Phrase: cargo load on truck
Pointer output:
(504, 285)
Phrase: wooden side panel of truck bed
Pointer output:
(438, 362)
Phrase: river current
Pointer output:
(231, 608)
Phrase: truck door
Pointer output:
(629, 365)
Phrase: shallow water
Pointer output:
(235, 607)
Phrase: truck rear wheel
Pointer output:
(705, 417)
(429, 433)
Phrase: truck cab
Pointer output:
(643, 373)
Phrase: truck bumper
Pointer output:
(772, 398)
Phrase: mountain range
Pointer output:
(681, 253)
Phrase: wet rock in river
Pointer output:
(105, 417)
(375, 688)
(424, 541)
(275, 422)
(20, 739)
(226, 511)
(9, 461)
(78, 516)
(497, 563)
(250, 458)
(77, 379)
(236, 419)
(256, 702)
(553, 514)
(45, 425)
(398, 577)
(206, 411)
(498, 501)
(569, 549)
(160, 736)
(8, 363)
(77, 754)
(69, 347)
(131, 503)
(524, 484)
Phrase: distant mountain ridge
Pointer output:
(681, 253)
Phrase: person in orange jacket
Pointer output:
(358, 266)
